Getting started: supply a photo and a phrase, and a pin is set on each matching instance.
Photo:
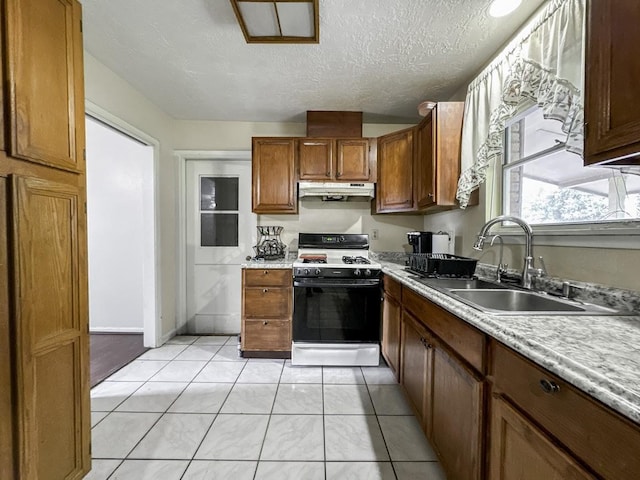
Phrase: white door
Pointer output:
(221, 233)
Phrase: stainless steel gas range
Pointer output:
(337, 292)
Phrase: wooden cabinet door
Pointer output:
(273, 172)
(425, 162)
(395, 172)
(51, 324)
(611, 92)
(316, 159)
(46, 113)
(391, 318)
(457, 416)
(352, 159)
(520, 451)
(415, 364)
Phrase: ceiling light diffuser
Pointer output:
(500, 8)
(282, 21)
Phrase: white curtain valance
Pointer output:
(544, 64)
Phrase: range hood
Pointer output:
(335, 191)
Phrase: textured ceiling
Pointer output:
(381, 57)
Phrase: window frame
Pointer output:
(623, 234)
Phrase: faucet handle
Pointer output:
(543, 270)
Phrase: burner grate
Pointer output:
(358, 260)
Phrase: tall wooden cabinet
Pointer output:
(612, 117)
(44, 394)
(273, 175)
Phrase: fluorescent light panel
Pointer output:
(287, 21)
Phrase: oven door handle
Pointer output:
(336, 284)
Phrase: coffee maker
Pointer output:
(429, 242)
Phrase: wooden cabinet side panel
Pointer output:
(457, 416)
(520, 451)
(44, 69)
(49, 258)
(7, 413)
(448, 134)
(611, 91)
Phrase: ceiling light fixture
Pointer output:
(501, 8)
(282, 21)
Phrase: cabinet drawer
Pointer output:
(268, 277)
(266, 335)
(392, 287)
(462, 338)
(267, 302)
(600, 437)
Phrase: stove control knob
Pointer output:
(367, 273)
(317, 271)
(357, 272)
(306, 271)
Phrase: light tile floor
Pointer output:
(193, 409)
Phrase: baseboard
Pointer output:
(167, 336)
(116, 330)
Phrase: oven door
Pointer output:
(336, 310)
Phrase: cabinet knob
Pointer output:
(549, 386)
(407, 201)
(328, 174)
(265, 290)
(338, 175)
(430, 195)
(265, 322)
(266, 272)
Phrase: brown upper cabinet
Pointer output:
(334, 159)
(395, 172)
(418, 168)
(273, 175)
(612, 117)
(45, 75)
(437, 160)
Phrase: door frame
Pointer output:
(152, 280)
(181, 219)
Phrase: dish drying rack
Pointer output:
(442, 265)
(269, 246)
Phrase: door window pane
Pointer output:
(219, 229)
(218, 193)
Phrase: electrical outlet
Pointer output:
(374, 233)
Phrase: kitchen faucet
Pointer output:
(528, 270)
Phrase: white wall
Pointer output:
(111, 93)
(119, 192)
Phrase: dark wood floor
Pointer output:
(112, 351)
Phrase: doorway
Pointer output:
(219, 234)
(121, 246)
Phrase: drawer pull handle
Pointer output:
(266, 272)
(549, 386)
(265, 323)
(265, 290)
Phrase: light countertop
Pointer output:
(599, 355)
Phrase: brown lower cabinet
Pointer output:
(490, 413)
(391, 317)
(267, 309)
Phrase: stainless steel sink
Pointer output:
(459, 283)
(520, 302)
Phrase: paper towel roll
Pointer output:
(440, 243)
